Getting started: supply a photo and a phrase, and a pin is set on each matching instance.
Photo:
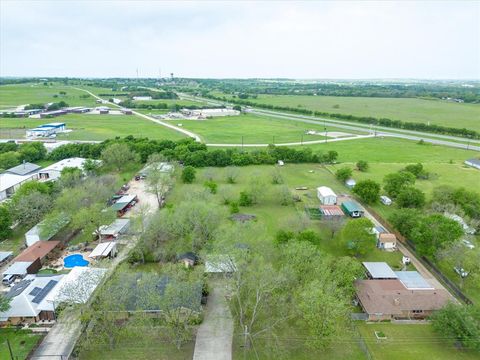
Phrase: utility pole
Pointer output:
(10, 350)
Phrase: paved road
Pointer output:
(214, 336)
(438, 139)
(163, 123)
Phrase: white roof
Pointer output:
(75, 162)
(114, 228)
(17, 268)
(9, 180)
(380, 270)
(29, 296)
(125, 199)
(326, 191)
(5, 255)
(103, 249)
(77, 286)
(219, 264)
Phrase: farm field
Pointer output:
(254, 129)
(93, 127)
(439, 112)
(12, 96)
(417, 341)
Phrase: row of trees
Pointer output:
(12, 154)
(195, 154)
(398, 124)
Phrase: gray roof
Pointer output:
(18, 268)
(5, 255)
(474, 161)
(413, 280)
(23, 169)
(380, 270)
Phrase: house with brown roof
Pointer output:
(39, 250)
(387, 241)
(391, 299)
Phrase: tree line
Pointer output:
(397, 124)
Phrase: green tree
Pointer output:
(30, 187)
(32, 151)
(31, 208)
(211, 186)
(410, 197)
(395, 182)
(9, 159)
(459, 323)
(91, 219)
(4, 303)
(343, 174)
(119, 156)
(433, 233)
(188, 174)
(368, 191)
(362, 165)
(357, 238)
(5, 223)
(417, 170)
(158, 184)
(405, 221)
(245, 199)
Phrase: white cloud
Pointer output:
(241, 39)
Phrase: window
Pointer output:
(417, 311)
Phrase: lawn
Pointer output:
(253, 129)
(95, 127)
(405, 342)
(16, 241)
(12, 96)
(438, 112)
(21, 341)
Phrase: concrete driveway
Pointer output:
(214, 336)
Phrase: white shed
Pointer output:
(326, 195)
(103, 250)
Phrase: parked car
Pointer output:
(461, 271)
(468, 244)
(8, 279)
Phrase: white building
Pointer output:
(473, 163)
(326, 195)
(142, 98)
(387, 241)
(206, 113)
(350, 183)
(53, 172)
(104, 250)
(28, 300)
(115, 229)
(14, 177)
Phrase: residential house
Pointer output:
(54, 171)
(40, 250)
(28, 302)
(387, 241)
(11, 179)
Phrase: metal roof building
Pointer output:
(379, 270)
(23, 169)
(412, 280)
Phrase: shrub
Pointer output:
(245, 199)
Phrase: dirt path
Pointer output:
(214, 336)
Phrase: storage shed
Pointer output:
(352, 209)
(326, 195)
(387, 241)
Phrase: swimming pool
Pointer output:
(71, 261)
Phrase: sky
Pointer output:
(221, 39)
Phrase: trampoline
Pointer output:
(71, 261)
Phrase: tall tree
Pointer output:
(367, 190)
(410, 197)
(158, 184)
(5, 223)
(119, 155)
(395, 182)
(357, 238)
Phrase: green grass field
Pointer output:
(437, 112)
(92, 127)
(12, 96)
(21, 341)
(254, 130)
(410, 342)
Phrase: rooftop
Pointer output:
(115, 227)
(412, 280)
(17, 268)
(29, 296)
(351, 206)
(23, 169)
(387, 237)
(331, 210)
(37, 251)
(103, 249)
(380, 270)
(326, 191)
(5, 255)
(391, 297)
(474, 161)
(75, 162)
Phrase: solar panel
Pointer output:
(41, 295)
(35, 291)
